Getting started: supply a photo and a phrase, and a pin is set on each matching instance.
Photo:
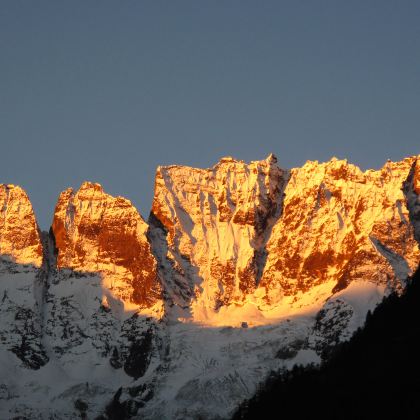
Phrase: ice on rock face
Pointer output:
(20, 259)
(20, 316)
(243, 269)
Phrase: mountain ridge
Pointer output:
(241, 269)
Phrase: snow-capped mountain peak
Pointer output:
(242, 269)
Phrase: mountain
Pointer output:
(97, 233)
(214, 226)
(380, 359)
(19, 233)
(241, 270)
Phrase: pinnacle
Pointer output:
(88, 185)
(271, 158)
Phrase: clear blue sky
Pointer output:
(106, 91)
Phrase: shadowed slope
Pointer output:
(374, 376)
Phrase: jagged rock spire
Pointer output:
(96, 232)
(19, 233)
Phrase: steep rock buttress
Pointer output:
(340, 224)
(216, 222)
(97, 233)
(257, 233)
(19, 234)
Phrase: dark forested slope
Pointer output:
(376, 375)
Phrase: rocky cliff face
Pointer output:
(86, 321)
(338, 225)
(256, 233)
(217, 222)
(416, 180)
(20, 261)
(97, 233)
(19, 235)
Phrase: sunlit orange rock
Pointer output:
(217, 221)
(233, 234)
(19, 233)
(340, 224)
(417, 176)
(256, 233)
(95, 232)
